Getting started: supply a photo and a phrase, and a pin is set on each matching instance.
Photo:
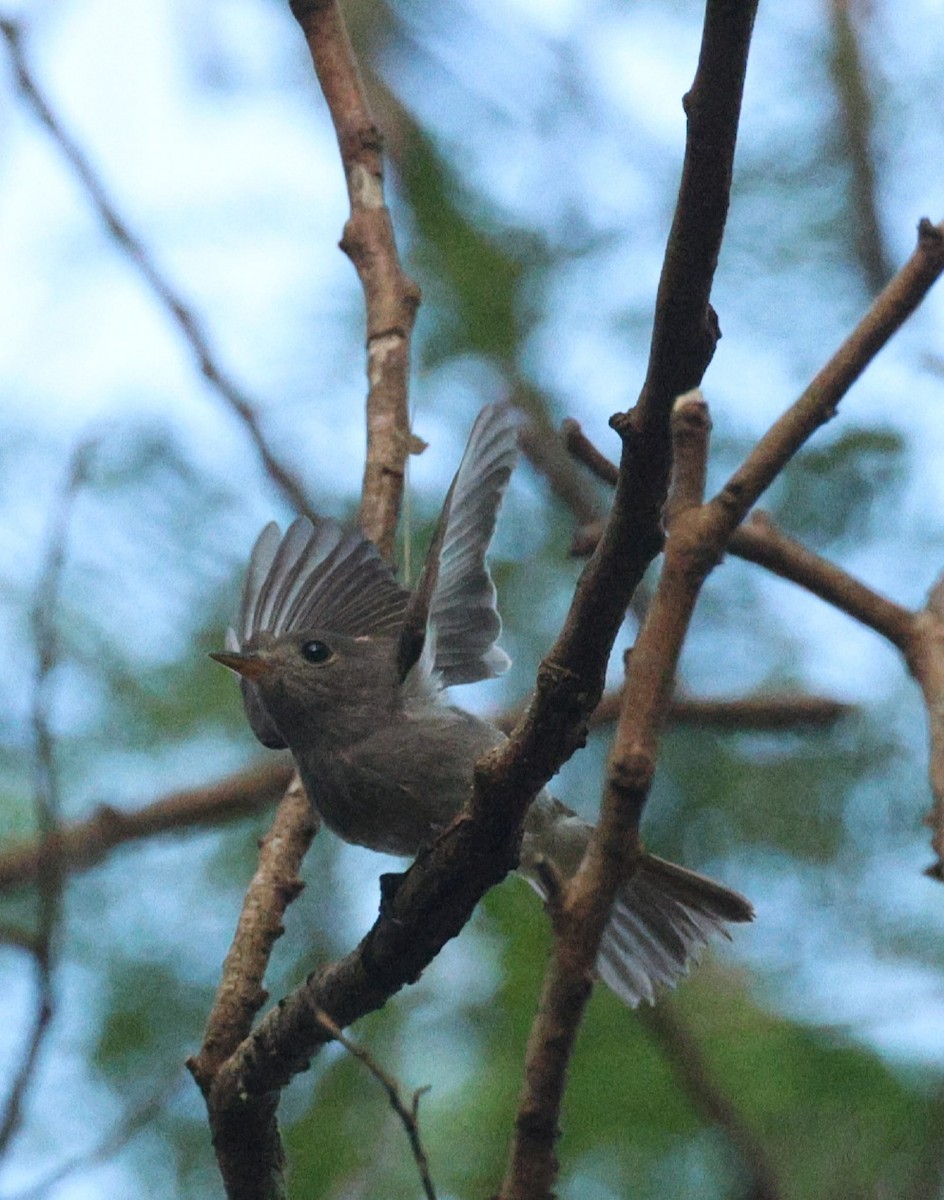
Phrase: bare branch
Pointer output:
(709, 1099)
(615, 846)
(759, 541)
(818, 403)
(273, 888)
(545, 453)
(408, 1116)
(140, 258)
(391, 297)
(82, 845)
(46, 795)
(131, 1124)
(584, 451)
(698, 537)
(851, 82)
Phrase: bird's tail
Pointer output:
(662, 918)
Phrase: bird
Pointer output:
(350, 670)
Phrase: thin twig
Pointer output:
(408, 1115)
(391, 297)
(50, 875)
(141, 259)
(851, 82)
(819, 402)
(713, 1103)
(130, 1125)
(584, 451)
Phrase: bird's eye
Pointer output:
(316, 652)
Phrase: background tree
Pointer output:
(532, 202)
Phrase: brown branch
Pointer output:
(391, 297)
(759, 541)
(408, 1116)
(245, 1130)
(925, 658)
(697, 540)
(685, 331)
(584, 451)
(918, 635)
(757, 713)
(49, 874)
(85, 843)
(273, 888)
(709, 1099)
(544, 451)
(615, 846)
(819, 402)
(850, 79)
(138, 255)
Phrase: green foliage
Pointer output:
(832, 492)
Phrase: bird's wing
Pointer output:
(452, 613)
(315, 576)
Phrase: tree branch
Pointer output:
(82, 845)
(243, 1120)
(273, 888)
(408, 1116)
(391, 297)
(49, 871)
(137, 254)
(698, 537)
(850, 79)
(759, 541)
(716, 1106)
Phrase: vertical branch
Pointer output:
(245, 1128)
(50, 874)
(851, 81)
(686, 331)
(585, 905)
(391, 297)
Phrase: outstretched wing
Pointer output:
(316, 576)
(452, 613)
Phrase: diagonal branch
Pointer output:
(918, 635)
(183, 318)
(685, 1058)
(273, 888)
(408, 1116)
(699, 535)
(83, 844)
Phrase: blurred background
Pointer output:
(535, 150)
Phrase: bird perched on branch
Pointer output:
(348, 669)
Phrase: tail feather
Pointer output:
(662, 919)
(661, 922)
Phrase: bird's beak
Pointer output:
(250, 666)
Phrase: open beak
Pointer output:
(250, 666)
